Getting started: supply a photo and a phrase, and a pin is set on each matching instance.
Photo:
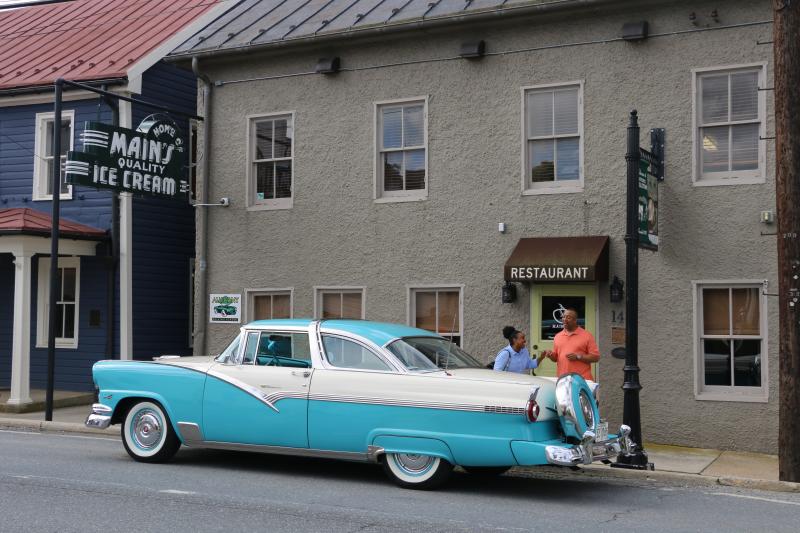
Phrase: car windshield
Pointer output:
(431, 354)
(230, 351)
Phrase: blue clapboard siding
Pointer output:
(73, 370)
(6, 317)
(163, 238)
(17, 142)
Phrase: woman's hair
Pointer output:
(509, 332)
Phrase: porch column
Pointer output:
(21, 347)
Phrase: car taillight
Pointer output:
(532, 410)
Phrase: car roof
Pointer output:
(379, 333)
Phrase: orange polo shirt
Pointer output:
(580, 342)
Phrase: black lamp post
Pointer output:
(630, 412)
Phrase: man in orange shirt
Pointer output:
(574, 348)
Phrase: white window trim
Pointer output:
(736, 177)
(556, 187)
(410, 301)
(39, 166)
(319, 291)
(379, 195)
(249, 300)
(250, 193)
(42, 302)
(732, 393)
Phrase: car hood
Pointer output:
(202, 363)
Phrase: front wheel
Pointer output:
(147, 433)
(415, 471)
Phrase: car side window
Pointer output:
(284, 349)
(250, 348)
(343, 353)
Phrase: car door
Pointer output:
(261, 396)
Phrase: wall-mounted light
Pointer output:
(473, 50)
(616, 290)
(634, 31)
(327, 65)
(509, 293)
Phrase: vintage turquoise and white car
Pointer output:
(354, 390)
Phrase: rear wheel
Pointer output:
(415, 471)
(486, 471)
(147, 433)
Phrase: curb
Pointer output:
(598, 472)
(44, 426)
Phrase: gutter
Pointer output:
(38, 89)
(201, 250)
(396, 27)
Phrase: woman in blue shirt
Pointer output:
(515, 357)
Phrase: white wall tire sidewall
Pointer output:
(129, 419)
(412, 479)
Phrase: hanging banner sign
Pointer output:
(147, 161)
(648, 208)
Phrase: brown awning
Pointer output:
(559, 259)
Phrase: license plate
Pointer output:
(601, 432)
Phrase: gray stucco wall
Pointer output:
(336, 234)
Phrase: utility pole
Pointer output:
(787, 183)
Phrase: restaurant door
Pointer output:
(548, 303)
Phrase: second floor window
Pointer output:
(402, 150)
(729, 122)
(45, 155)
(553, 144)
(271, 162)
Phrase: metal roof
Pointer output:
(27, 221)
(86, 39)
(259, 23)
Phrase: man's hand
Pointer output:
(550, 354)
(573, 356)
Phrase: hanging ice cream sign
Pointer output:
(146, 161)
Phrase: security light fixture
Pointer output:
(509, 293)
(634, 31)
(616, 290)
(473, 50)
(327, 65)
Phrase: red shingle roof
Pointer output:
(86, 39)
(26, 221)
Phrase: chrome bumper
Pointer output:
(590, 450)
(100, 418)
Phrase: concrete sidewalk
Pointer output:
(672, 463)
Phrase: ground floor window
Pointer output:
(731, 354)
(67, 300)
(265, 304)
(339, 302)
(438, 309)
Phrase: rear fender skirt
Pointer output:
(414, 445)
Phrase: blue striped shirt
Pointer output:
(520, 361)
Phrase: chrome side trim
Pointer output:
(281, 450)
(374, 453)
(420, 404)
(190, 431)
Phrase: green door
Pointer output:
(548, 302)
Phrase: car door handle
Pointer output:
(304, 373)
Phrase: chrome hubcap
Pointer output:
(586, 409)
(413, 463)
(147, 429)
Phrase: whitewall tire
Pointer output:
(415, 471)
(147, 433)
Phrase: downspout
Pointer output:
(201, 220)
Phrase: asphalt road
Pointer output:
(53, 482)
